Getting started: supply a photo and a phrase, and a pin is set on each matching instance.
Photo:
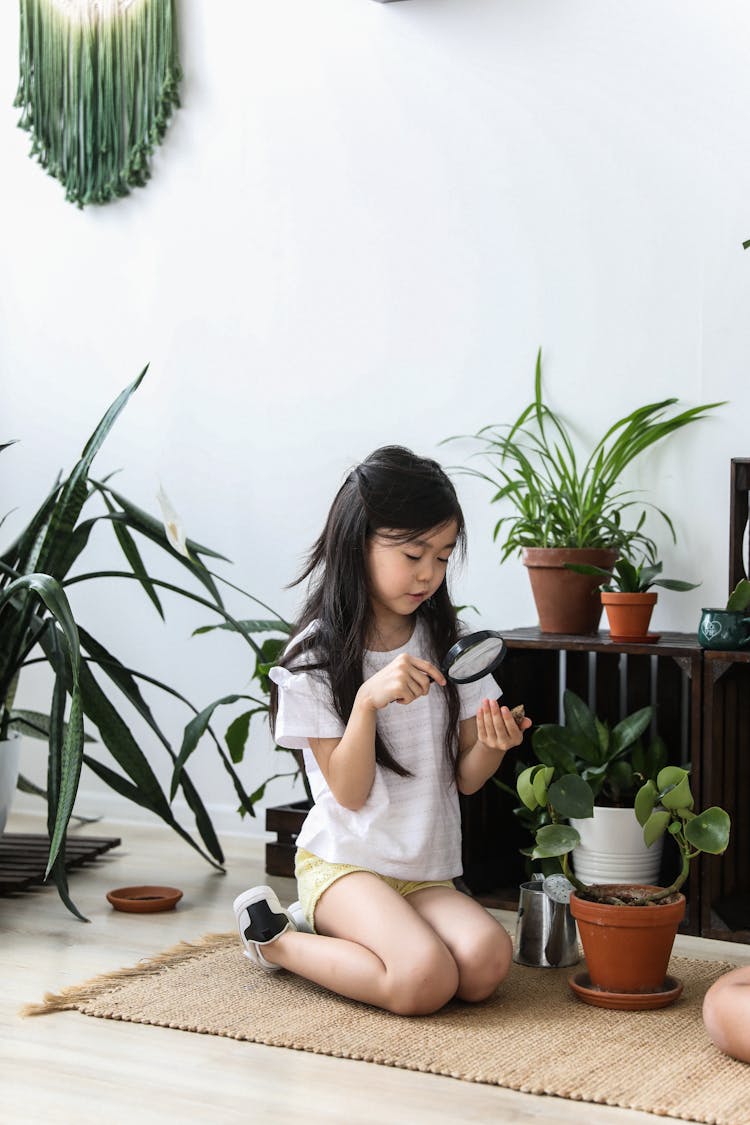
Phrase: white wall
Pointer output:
(363, 222)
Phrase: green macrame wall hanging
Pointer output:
(98, 82)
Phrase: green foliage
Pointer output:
(739, 599)
(37, 625)
(533, 467)
(612, 762)
(662, 804)
(632, 578)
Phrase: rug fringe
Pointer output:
(76, 995)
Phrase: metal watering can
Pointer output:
(546, 936)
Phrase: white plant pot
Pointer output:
(612, 849)
(10, 754)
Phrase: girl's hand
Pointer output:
(405, 679)
(497, 728)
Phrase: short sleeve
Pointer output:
(305, 709)
(471, 695)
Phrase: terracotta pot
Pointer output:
(627, 948)
(567, 602)
(629, 615)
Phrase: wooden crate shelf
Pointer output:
(725, 887)
(615, 679)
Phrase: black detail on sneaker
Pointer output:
(264, 924)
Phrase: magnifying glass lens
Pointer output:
(474, 656)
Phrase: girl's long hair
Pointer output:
(406, 495)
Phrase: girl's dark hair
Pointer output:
(406, 495)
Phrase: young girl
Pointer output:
(389, 744)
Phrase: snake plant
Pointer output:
(37, 625)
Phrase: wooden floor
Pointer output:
(69, 1068)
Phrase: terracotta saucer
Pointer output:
(581, 984)
(144, 900)
(645, 639)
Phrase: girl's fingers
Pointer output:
(432, 671)
(496, 726)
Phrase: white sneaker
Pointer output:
(296, 913)
(261, 919)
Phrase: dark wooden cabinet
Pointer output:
(615, 679)
(725, 881)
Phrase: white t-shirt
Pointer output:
(409, 827)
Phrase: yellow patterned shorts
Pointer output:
(315, 875)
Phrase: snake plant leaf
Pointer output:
(125, 680)
(655, 826)
(571, 796)
(75, 491)
(132, 793)
(709, 831)
(62, 792)
(554, 840)
(59, 877)
(36, 724)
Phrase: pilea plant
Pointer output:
(663, 805)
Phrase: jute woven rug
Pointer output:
(533, 1035)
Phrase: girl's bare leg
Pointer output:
(371, 945)
(478, 943)
(726, 1013)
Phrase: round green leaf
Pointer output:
(541, 780)
(655, 826)
(678, 797)
(709, 831)
(669, 776)
(525, 788)
(645, 799)
(571, 796)
(555, 839)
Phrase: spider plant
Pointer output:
(37, 624)
(533, 466)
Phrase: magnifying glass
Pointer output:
(474, 656)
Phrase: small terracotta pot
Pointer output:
(627, 948)
(629, 615)
(565, 601)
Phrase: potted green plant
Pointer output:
(727, 629)
(614, 762)
(562, 512)
(37, 624)
(627, 595)
(627, 930)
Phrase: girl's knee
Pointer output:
(423, 983)
(483, 962)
